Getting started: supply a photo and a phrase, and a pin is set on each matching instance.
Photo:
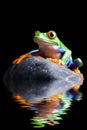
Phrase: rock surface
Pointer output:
(37, 78)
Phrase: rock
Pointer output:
(37, 78)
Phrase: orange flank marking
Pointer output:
(78, 72)
(22, 57)
(78, 85)
(24, 103)
(57, 61)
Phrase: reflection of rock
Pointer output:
(37, 78)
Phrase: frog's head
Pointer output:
(49, 38)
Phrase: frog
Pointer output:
(52, 47)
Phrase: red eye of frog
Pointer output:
(51, 34)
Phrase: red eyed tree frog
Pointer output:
(50, 46)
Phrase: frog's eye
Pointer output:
(51, 34)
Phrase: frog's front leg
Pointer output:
(66, 56)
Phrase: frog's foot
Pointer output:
(76, 64)
(18, 60)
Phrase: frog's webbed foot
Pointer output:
(76, 64)
(18, 60)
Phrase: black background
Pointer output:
(18, 24)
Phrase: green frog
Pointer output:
(50, 46)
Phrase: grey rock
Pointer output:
(37, 78)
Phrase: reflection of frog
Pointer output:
(51, 47)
